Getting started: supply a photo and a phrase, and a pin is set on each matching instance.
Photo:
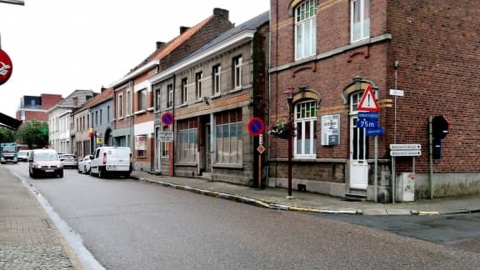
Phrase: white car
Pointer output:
(111, 161)
(84, 164)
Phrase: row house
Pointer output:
(420, 58)
(133, 98)
(92, 124)
(59, 119)
(36, 107)
(204, 102)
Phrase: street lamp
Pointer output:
(290, 91)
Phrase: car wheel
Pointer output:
(90, 172)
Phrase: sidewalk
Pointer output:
(276, 198)
(28, 238)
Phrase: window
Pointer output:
(96, 118)
(229, 138)
(101, 116)
(169, 95)
(305, 29)
(158, 99)
(120, 106)
(198, 85)
(184, 90)
(305, 117)
(142, 100)
(129, 103)
(360, 19)
(165, 145)
(141, 145)
(108, 114)
(237, 72)
(216, 70)
(187, 140)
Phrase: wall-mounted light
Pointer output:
(206, 101)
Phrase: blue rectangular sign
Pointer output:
(374, 131)
(367, 123)
(368, 115)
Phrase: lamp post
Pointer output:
(289, 93)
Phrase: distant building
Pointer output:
(36, 107)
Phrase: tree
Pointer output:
(6, 135)
(34, 133)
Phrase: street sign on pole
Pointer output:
(374, 131)
(368, 102)
(166, 136)
(405, 153)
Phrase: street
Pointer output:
(126, 224)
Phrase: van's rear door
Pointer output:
(120, 158)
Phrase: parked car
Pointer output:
(45, 162)
(69, 161)
(111, 160)
(23, 155)
(84, 164)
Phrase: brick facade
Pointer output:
(436, 44)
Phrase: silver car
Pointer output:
(69, 161)
(84, 164)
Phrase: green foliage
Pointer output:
(34, 133)
(6, 135)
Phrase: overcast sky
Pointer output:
(58, 46)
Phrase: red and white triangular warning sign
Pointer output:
(368, 102)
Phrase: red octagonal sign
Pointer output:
(5, 67)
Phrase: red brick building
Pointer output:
(35, 107)
(329, 52)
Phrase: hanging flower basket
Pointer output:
(279, 129)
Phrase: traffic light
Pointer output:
(440, 127)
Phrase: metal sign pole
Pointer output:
(375, 171)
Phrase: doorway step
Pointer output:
(206, 176)
(356, 195)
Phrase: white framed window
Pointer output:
(360, 20)
(216, 82)
(142, 100)
(229, 139)
(129, 102)
(305, 119)
(158, 98)
(187, 141)
(237, 72)
(169, 95)
(198, 85)
(119, 106)
(141, 146)
(184, 90)
(306, 29)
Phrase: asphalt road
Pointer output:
(127, 224)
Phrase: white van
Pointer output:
(111, 160)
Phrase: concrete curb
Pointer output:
(276, 206)
(247, 200)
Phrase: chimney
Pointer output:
(220, 12)
(102, 89)
(160, 44)
(183, 29)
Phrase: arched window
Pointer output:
(305, 29)
(305, 120)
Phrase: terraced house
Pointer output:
(134, 102)
(421, 60)
(210, 95)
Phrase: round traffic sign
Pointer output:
(167, 118)
(255, 126)
(6, 67)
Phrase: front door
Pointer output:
(208, 155)
(358, 155)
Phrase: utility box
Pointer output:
(405, 187)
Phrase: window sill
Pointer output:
(140, 112)
(186, 164)
(228, 166)
(120, 118)
(150, 109)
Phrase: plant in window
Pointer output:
(279, 129)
